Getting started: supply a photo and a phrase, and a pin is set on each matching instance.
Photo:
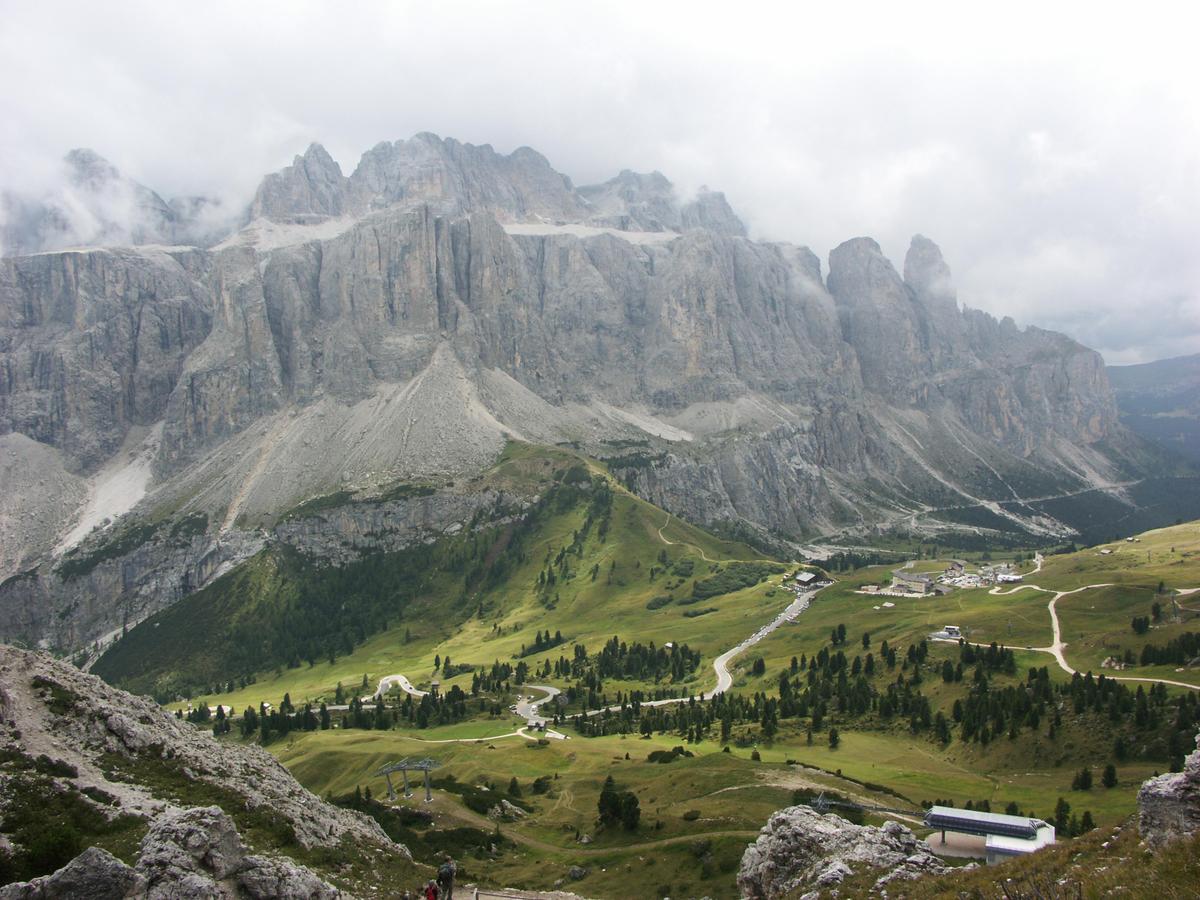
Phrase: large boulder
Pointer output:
(801, 848)
(186, 853)
(94, 873)
(1169, 805)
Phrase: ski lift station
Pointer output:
(1004, 836)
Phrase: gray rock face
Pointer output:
(94, 873)
(94, 342)
(313, 185)
(186, 853)
(347, 532)
(1169, 805)
(149, 577)
(637, 202)
(800, 848)
(198, 852)
(406, 320)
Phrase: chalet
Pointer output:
(806, 578)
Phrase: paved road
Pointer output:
(385, 685)
(527, 706)
(721, 663)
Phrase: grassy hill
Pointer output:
(587, 559)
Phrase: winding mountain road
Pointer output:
(527, 708)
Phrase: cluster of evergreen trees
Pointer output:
(644, 662)
(576, 486)
(272, 723)
(850, 560)
(618, 807)
(830, 686)
(732, 577)
(494, 680)
(543, 642)
(278, 722)
(1178, 651)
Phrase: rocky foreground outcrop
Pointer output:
(50, 708)
(187, 853)
(67, 733)
(1169, 805)
(799, 848)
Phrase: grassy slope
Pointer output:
(586, 611)
(732, 794)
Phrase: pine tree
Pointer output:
(834, 740)
(1062, 817)
(630, 810)
(1109, 778)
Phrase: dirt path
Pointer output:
(1058, 644)
(671, 543)
(467, 816)
(564, 800)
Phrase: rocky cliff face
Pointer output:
(404, 321)
(1169, 805)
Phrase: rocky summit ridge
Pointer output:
(403, 322)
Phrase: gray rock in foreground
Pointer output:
(800, 848)
(187, 853)
(1169, 805)
(49, 707)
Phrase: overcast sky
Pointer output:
(1051, 149)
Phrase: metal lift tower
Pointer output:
(403, 766)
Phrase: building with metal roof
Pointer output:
(1005, 835)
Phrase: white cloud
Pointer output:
(1049, 148)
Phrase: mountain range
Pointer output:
(164, 406)
(1161, 401)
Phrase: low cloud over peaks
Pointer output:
(1055, 166)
